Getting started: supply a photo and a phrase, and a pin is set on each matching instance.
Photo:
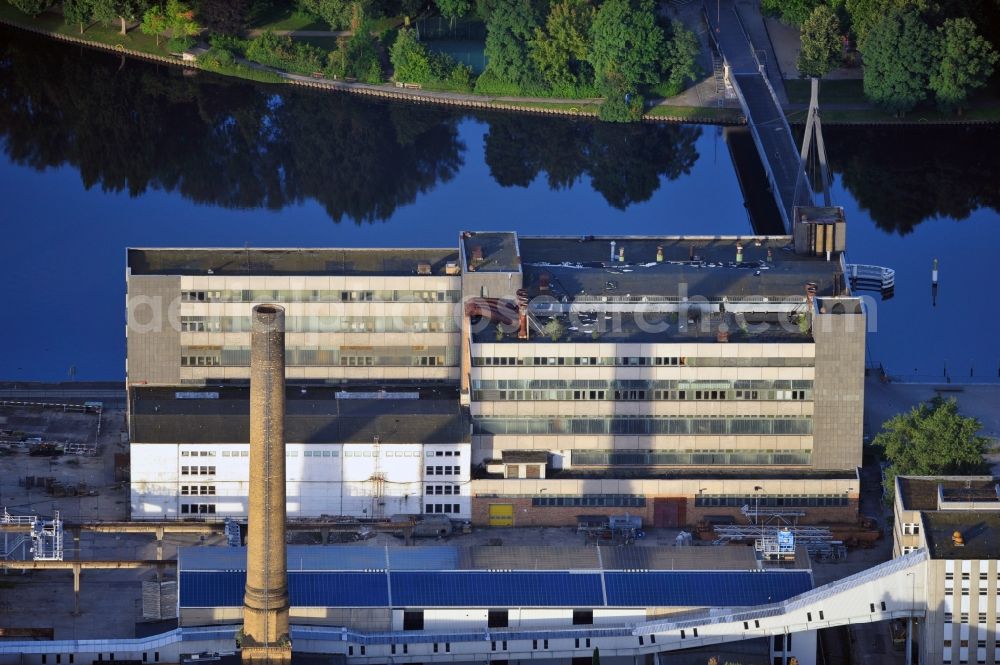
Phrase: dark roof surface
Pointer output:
(980, 532)
(525, 456)
(703, 267)
(392, 262)
(921, 492)
(314, 416)
(499, 249)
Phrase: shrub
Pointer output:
(231, 44)
(179, 44)
(357, 57)
(284, 53)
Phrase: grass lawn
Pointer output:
(583, 108)
(95, 32)
(277, 17)
(837, 91)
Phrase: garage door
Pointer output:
(501, 514)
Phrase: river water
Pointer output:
(100, 153)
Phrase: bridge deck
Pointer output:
(767, 123)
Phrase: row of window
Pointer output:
(326, 324)
(640, 384)
(320, 295)
(672, 458)
(635, 395)
(197, 490)
(197, 453)
(640, 361)
(442, 489)
(197, 470)
(449, 508)
(771, 500)
(197, 509)
(589, 500)
(417, 356)
(443, 470)
(624, 425)
(332, 453)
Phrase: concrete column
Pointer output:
(265, 608)
(76, 589)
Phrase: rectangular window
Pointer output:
(583, 617)
(498, 619)
(413, 620)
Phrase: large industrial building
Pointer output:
(670, 378)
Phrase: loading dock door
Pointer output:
(669, 512)
(501, 514)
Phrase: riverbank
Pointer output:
(674, 110)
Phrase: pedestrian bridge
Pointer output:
(771, 134)
(894, 589)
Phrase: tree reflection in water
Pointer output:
(134, 126)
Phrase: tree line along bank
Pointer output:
(622, 50)
(914, 51)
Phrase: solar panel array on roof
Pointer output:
(703, 589)
(327, 589)
(487, 589)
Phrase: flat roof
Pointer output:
(980, 533)
(486, 557)
(691, 266)
(921, 492)
(287, 261)
(498, 251)
(312, 415)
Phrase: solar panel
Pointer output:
(327, 589)
(338, 589)
(703, 589)
(212, 589)
(487, 589)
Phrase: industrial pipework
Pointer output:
(265, 606)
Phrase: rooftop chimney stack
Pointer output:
(265, 604)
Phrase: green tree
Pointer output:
(791, 11)
(820, 43)
(964, 62)
(123, 11)
(180, 20)
(77, 12)
(339, 14)
(865, 14)
(31, 7)
(508, 32)
(898, 60)
(681, 60)
(357, 57)
(154, 22)
(410, 62)
(626, 43)
(932, 439)
(453, 8)
(560, 51)
(555, 329)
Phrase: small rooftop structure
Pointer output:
(312, 415)
(253, 262)
(491, 251)
(932, 493)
